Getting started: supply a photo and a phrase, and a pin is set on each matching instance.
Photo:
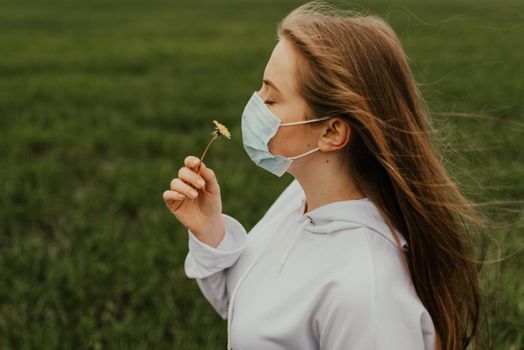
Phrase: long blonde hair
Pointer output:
(353, 66)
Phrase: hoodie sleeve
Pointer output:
(209, 265)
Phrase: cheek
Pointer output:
(277, 142)
(288, 141)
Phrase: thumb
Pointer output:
(211, 180)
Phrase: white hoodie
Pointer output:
(330, 279)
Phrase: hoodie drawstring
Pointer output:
(233, 295)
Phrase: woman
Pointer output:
(368, 247)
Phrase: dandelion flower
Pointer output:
(222, 129)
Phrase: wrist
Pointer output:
(214, 233)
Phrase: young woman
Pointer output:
(368, 247)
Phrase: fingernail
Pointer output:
(201, 182)
(193, 193)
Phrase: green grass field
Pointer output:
(100, 102)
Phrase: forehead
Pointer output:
(281, 67)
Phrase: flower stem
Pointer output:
(215, 136)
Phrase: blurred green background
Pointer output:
(101, 101)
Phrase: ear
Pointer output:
(336, 134)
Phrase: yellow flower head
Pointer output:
(222, 129)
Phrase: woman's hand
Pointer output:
(195, 201)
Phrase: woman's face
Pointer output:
(280, 93)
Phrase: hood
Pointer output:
(341, 215)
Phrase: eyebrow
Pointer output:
(267, 82)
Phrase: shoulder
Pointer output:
(372, 295)
(374, 271)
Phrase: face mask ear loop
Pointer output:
(305, 154)
(305, 121)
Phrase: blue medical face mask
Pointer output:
(259, 125)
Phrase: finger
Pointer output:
(171, 196)
(191, 162)
(189, 176)
(180, 186)
(210, 177)
(206, 173)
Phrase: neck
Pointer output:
(331, 183)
